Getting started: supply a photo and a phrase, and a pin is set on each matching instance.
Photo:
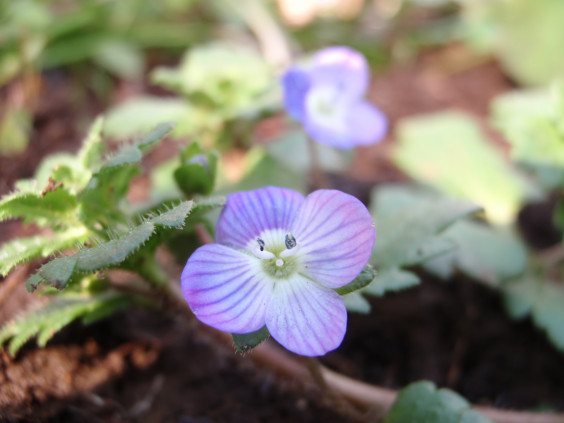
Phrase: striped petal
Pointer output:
(305, 317)
(248, 214)
(226, 289)
(335, 235)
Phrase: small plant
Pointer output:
(82, 199)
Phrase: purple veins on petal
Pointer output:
(336, 235)
(229, 295)
(306, 318)
(278, 258)
(247, 214)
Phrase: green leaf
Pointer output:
(57, 314)
(115, 251)
(548, 313)
(204, 78)
(90, 153)
(533, 123)
(356, 302)
(58, 272)
(531, 30)
(19, 250)
(54, 208)
(543, 300)
(140, 114)
(123, 59)
(391, 279)
(15, 128)
(449, 151)
(132, 153)
(363, 279)
(246, 342)
(407, 221)
(485, 253)
(176, 217)
(421, 402)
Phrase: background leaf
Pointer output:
(449, 151)
(421, 402)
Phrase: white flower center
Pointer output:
(277, 251)
(325, 105)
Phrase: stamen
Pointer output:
(261, 253)
(261, 244)
(290, 241)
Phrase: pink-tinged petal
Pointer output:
(226, 289)
(295, 84)
(342, 67)
(335, 235)
(247, 214)
(366, 124)
(305, 317)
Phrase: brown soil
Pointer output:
(457, 335)
(142, 366)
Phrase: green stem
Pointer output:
(319, 179)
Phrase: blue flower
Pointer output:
(328, 99)
(278, 258)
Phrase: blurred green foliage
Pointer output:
(112, 34)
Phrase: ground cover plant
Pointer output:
(258, 232)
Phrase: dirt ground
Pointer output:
(142, 366)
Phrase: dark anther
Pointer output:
(290, 241)
(261, 244)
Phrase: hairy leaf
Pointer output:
(421, 402)
(46, 321)
(55, 207)
(59, 271)
(23, 249)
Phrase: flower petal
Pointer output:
(335, 234)
(343, 67)
(249, 213)
(295, 84)
(359, 123)
(305, 317)
(366, 124)
(225, 289)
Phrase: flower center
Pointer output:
(278, 259)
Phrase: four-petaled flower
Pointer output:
(278, 258)
(328, 99)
